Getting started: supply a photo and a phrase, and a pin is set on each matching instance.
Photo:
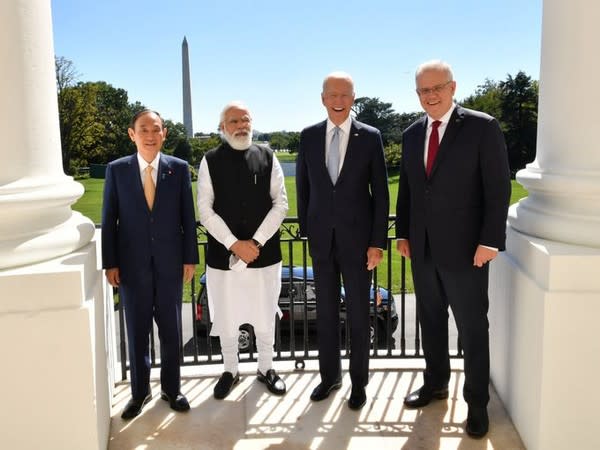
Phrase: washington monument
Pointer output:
(187, 91)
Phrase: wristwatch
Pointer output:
(258, 244)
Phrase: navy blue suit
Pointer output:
(462, 204)
(341, 222)
(150, 248)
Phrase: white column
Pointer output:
(36, 220)
(564, 180)
(545, 289)
(55, 306)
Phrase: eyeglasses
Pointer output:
(433, 90)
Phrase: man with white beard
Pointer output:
(241, 203)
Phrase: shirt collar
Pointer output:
(142, 162)
(344, 126)
(444, 119)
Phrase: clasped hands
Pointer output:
(246, 250)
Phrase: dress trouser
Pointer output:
(147, 295)
(357, 280)
(464, 289)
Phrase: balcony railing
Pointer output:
(394, 322)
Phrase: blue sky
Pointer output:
(274, 54)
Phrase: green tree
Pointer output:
(487, 98)
(519, 119)
(183, 149)
(201, 145)
(393, 155)
(175, 132)
(380, 115)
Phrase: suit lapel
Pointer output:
(320, 147)
(137, 179)
(164, 172)
(420, 145)
(452, 129)
(355, 130)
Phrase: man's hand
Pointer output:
(247, 251)
(113, 277)
(403, 247)
(374, 257)
(483, 255)
(188, 272)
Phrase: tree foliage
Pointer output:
(514, 103)
(380, 115)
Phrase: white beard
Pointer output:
(241, 142)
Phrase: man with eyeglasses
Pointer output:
(451, 214)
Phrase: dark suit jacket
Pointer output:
(357, 207)
(465, 200)
(132, 235)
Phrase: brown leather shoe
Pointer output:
(423, 396)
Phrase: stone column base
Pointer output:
(545, 340)
(56, 342)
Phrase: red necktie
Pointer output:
(432, 146)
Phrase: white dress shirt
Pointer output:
(344, 137)
(143, 164)
(441, 130)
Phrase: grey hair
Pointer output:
(437, 65)
(234, 104)
(338, 75)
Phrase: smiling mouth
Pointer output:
(338, 109)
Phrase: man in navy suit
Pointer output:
(451, 221)
(149, 249)
(343, 203)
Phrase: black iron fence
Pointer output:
(394, 322)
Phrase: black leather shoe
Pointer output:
(322, 391)
(134, 407)
(274, 383)
(477, 422)
(423, 396)
(358, 398)
(177, 403)
(225, 384)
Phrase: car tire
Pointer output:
(246, 339)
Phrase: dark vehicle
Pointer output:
(295, 291)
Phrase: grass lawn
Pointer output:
(90, 205)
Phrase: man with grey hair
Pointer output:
(451, 214)
(343, 203)
(241, 203)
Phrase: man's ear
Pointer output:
(131, 133)
(165, 131)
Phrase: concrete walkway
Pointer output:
(250, 418)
